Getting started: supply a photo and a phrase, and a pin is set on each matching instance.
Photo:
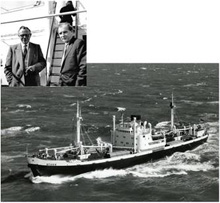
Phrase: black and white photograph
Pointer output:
(141, 120)
(43, 50)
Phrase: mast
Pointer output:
(78, 119)
(135, 147)
(172, 113)
(113, 131)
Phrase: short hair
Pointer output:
(68, 25)
(25, 28)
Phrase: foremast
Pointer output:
(172, 113)
(78, 124)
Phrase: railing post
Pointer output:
(76, 20)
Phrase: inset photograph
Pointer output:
(43, 43)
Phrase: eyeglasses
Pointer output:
(24, 35)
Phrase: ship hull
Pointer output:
(53, 168)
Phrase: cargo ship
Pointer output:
(132, 142)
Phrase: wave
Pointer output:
(177, 164)
(12, 177)
(17, 111)
(7, 158)
(11, 131)
(154, 175)
(60, 179)
(213, 102)
(195, 103)
(15, 130)
(27, 106)
(193, 71)
(115, 92)
(32, 129)
(106, 173)
(196, 85)
(214, 124)
(55, 179)
(69, 96)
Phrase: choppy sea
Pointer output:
(38, 117)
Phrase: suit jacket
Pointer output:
(14, 65)
(73, 67)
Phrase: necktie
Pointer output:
(25, 51)
(64, 52)
(22, 69)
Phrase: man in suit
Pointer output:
(73, 64)
(24, 61)
(67, 18)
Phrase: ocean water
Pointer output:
(38, 117)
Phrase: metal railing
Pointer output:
(45, 16)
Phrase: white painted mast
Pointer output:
(134, 131)
(78, 119)
(113, 131)
(172, 113)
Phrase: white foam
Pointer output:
(141, 175)
(11, 130)
(24, 106)
(196, 85)
(177, 164)
(55, 179)
(106, 173)
(58, 179)
(32, 129)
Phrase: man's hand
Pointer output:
(29, 69)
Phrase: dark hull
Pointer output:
(39, 170)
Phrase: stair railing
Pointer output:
(49, 41)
